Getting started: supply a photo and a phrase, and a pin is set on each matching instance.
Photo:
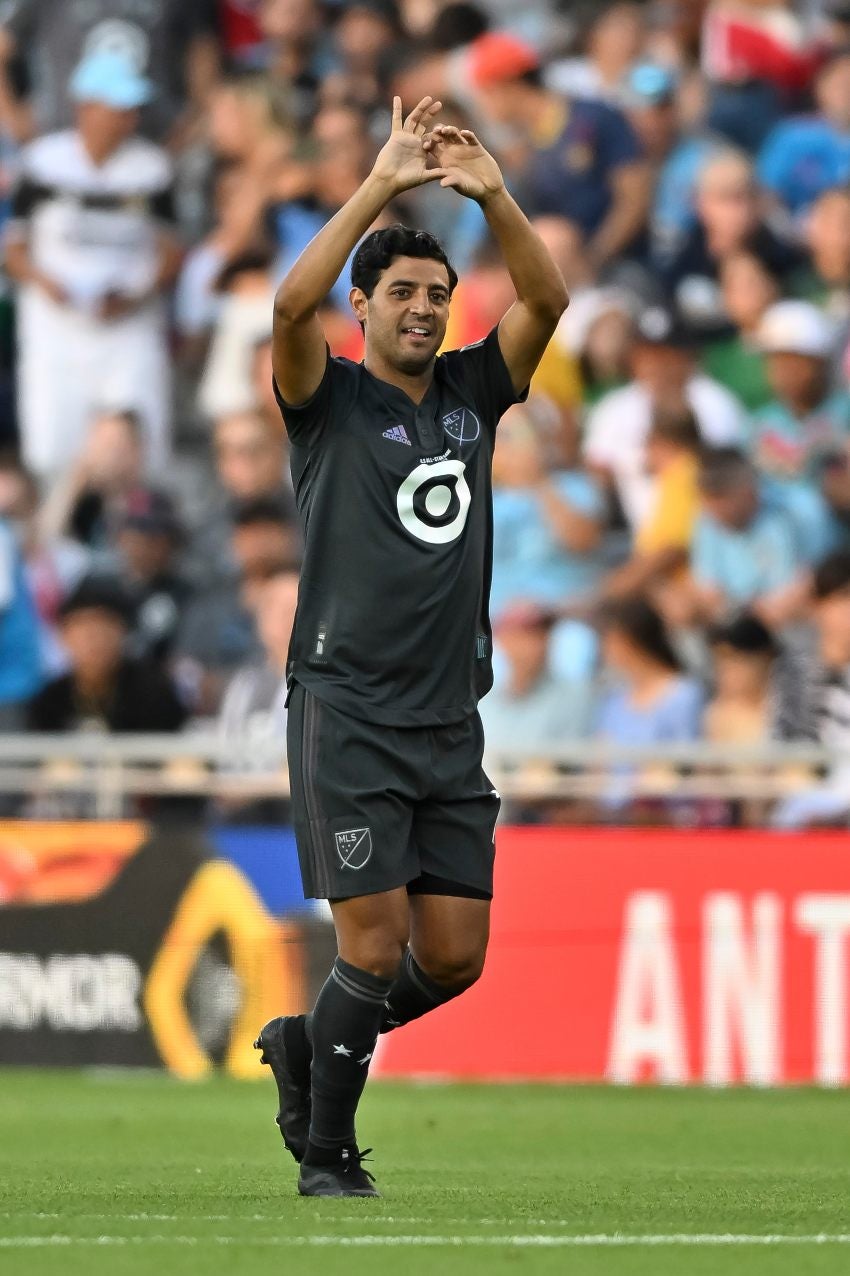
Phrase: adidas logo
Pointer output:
(398, 434)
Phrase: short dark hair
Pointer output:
(678, 426)
(833, 575)
(636, 617)
(262, 509)
(724, 468)
(380, 249)
(744, 633)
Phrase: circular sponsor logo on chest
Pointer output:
(462, 425)
(433, 502)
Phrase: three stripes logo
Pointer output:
(397, 434)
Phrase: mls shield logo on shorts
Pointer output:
(354, 847)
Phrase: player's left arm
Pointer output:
(527, 328)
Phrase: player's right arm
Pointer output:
(299, 350)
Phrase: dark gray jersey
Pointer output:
(395, 500)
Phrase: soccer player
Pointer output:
(391, 649)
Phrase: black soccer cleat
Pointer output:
(286, 1051)
(345, 1178)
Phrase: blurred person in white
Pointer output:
(92, 247)
(824, 715)
(245, 294)
(169, 41)
(548, 523)
(53, 564)
(807, 422)
(252, 718)
(530, 708)
(83, 503)
(664, 367)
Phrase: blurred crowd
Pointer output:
(672, 503)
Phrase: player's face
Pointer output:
(406, 315)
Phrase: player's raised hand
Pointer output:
(403, 161)
(466, 166)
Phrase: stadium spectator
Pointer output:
(807, 419)
(664, 368)
(84, 502)
(747, 552)
(104, 689)
(245, 293)
(582, 159)
(53, 565)
(729, 220)
(148, 539)
(171, 44)
(218, 630)
(252, 718)
(748, 289)
(612, 44)
(668, 115)
(547, 524)
(250, 465)
(651, 701)
(663, 541)
(297, 51)
(807, 155)
(530, 707)
(826, 279)
(824, 714)
(743, 706)
(92, 248)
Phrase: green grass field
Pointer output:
(133, 1173)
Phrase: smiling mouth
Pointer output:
(421, 333)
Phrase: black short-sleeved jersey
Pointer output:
(395, 500)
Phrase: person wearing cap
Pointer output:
(148, 540)
(806, 155)
(663, 369)
(808, 419)
(172, 43)
(581, 158)
(91, 247)
(104, 688)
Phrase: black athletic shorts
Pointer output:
(377, 807)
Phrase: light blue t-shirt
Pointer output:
(803, 157)
(528, 560)
(783, 447)
(553, 712)
(746, 564)
(675, 717)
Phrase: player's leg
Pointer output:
(453, 831)
(448, 944)
(372, 934)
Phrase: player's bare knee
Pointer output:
(455, 970)
(379, 952)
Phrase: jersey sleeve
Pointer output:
(307, 423)
(480, 369)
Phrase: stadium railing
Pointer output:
(110, 768)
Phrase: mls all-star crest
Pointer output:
(433, 501)
(462, 425)
(354, 847)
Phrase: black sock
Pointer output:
(344, 1028)
(413, 995)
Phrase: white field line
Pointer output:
(540, 1241)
